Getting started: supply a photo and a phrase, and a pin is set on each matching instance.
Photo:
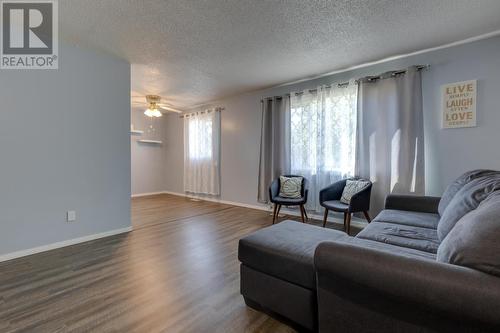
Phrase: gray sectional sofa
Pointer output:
(424, 264)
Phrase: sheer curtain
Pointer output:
(202, 152)
(323, 134)
(390, 140)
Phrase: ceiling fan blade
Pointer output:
(168, 108)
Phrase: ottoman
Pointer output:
(277, 270)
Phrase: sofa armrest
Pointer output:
(414, 203)
(440, 288)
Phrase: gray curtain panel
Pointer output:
(390, 135)
(274, 143)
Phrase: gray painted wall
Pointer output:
(64, 144)
(148, 160)
(448, 152)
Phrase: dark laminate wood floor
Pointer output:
(176, 272)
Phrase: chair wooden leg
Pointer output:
(305, 213)
(367, 216)
(348, 222)
(302, 213)
(278, 212)
(274, 212)
(325, 217)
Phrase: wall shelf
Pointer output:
(136, 132)
(153, 142)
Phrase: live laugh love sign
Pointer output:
(459, 104)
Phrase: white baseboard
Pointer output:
(262, 207)
(146, 194)
(218, 200)
(57, 245)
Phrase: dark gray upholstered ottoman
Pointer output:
(277, 270)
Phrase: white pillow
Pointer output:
(290, 187)
(351, 188)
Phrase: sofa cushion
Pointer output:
(475, 240)
(286, 251)
(415, 219)
(423, 239)
(457, 185)
(467, 199)
(389, 248)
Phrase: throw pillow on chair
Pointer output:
(351, 188)
(290, 187)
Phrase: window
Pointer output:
(200, 138)
(201, 152)
(323, 135)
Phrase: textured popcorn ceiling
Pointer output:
(194, 51)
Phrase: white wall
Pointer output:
(64, 145)
(148, 160)
(448, 152)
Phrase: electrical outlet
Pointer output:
(71, 216)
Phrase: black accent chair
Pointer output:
(329, 198)
(274, 191)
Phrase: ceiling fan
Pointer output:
(152, 102)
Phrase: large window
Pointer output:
(322, 135)
(201, 152)
(200, 137)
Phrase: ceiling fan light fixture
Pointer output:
(153, 112)
(154, 106)
(157, 113)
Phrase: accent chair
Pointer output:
(330, 196)
(274, 197)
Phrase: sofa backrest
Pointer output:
(475, 239)
(466, 199)
(457, 185)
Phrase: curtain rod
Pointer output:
(218, 109)
(345, 84)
